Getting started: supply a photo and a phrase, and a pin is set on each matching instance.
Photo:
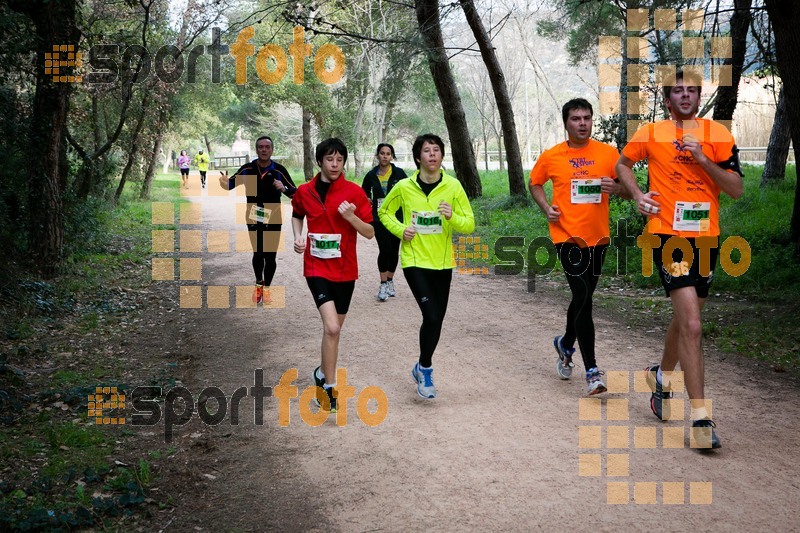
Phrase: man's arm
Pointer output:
(730, 182)
(550, 211)
(348, 212)
(644, 201)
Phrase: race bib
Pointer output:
(259, 214)
(586, 192)
(692, 216)
(426, 222)
(325, 245)
(380, 201)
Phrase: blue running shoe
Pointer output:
(704, 436)
(657, 404)
(564, 364)
(594, 382)
(424, 379)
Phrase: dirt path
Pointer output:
(498, 449)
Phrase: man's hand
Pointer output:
(647, 205)
(278, 184)
(446, 210)
(300, 245)
(553, 213)
(347, 210)
(409, 233)
(609, 186)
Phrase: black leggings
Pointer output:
(264, 262)
(431, 288)
(389, 247)
(583, 267)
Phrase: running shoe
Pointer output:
(317, 381)
(704, 435)
(564, 364)
(390, 288)
(258, 294)
(424, 379)
(383, 295)
(594, 382)
(657, 404)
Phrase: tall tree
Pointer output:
(439, 64)
(785, 18)
(778, 147)
(55, 23)
(516, 181)
(728, 95)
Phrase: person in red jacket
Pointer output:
(337, 211)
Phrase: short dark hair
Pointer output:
(386, 145)
(416, 150)
(267, 138)
(575, 103)
(691, 77)
(330, 146)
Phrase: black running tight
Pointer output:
(264, 266)
(582, 267)
(388, 249)
(431, 289)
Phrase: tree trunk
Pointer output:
(460, 143)
(55, 23)
(728, 95)
(308, 147)
(133, 150)
(151, 164)
(778, 148)
(516, 180)
(785, 18)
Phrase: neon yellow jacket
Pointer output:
(201, 160)
(434, 251)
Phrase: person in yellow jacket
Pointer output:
(434, 206)
(202, 160)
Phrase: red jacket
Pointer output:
(325, 218)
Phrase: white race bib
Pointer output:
(259, 214)
(692, 216)
(426, 222)
(380, 201)
(586, 192)
(325, 245)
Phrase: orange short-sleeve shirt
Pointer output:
(576, 174)
(688, 196)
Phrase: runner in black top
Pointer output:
(264, 181)
(377, 184)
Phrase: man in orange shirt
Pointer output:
(582, 171)
(689, 160)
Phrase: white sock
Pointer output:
(424, 367)
(699, 413)
(664, 380)
(329, 386)
(320, 375)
